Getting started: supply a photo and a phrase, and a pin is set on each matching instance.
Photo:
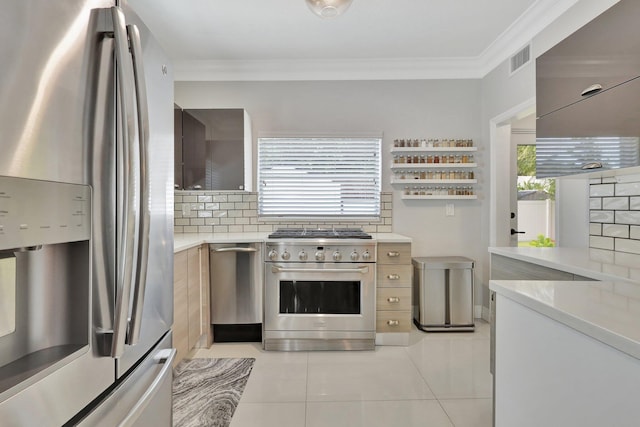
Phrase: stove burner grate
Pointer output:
(319, 233)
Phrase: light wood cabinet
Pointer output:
(191, 327)
(393, 300)
(180, 306)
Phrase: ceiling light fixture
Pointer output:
(328, 8)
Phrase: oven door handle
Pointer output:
(361, 270)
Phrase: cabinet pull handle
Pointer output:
(393, 254)
(393, 276)
(591, 90)
(393, 322)
(393, 300)
(592, 165)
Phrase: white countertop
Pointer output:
(593, 263)
(182, 241)
(606, 311)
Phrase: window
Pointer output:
(319, 177)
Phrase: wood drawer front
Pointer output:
(393, 321)
(394, 276)
(394, 299)
(394, 253)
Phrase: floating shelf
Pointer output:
(418, 197)
(433, 181)
(432, 165)
(431, 149)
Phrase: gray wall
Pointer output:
(403, 109)
(400, 109)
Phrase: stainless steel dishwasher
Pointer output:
(236, 291)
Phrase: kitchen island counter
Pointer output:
(591, 263)
(566, 353)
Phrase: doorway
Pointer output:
(533, 201)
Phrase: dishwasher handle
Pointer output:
(234, 249)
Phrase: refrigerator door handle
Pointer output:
(145, 214)
(154, 388)
(127, 223)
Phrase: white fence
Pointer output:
(536, 217)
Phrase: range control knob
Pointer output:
(366, 256)
(337, 256)
(273, 255)
(320, 256)
(354, 256)
(286, 255)
(302, 256)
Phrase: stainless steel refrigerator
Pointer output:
(86, 216)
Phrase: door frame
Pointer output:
(500, 171)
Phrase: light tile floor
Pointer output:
(440, 379)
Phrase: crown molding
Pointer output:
(522, 31)
(347, 69)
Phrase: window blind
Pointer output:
(319, 177)
(565, 156)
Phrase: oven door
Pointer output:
(320, 298)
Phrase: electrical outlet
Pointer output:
(449, 209)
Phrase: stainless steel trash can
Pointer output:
(443, 293)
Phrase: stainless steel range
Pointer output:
(319, 290)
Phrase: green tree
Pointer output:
(527, 167)
(526, 160)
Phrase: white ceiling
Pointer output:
(282, 39)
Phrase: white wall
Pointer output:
(400, 109)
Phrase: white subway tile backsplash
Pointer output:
(609, 180)
(634, 233)
(601, 242)
(628, 189)
(615, 230)
(601, 190)
(595, 180)
(628, 178)
(628, 245)
(615, 203)
(627, 217)
(209, 211)
(634, 203)
(595, 203)
(601, 216)
(595, 229)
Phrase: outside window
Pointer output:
(319, 177)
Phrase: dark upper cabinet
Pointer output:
(215, 149)
(588, 96)
(177, 149)
(604, 52)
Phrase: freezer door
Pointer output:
(143, 398)
(156, 300)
